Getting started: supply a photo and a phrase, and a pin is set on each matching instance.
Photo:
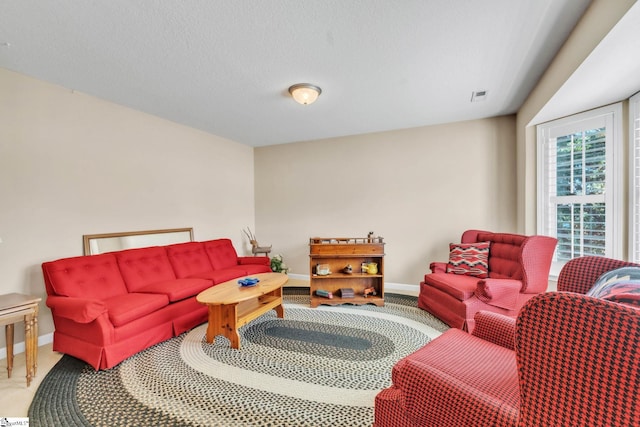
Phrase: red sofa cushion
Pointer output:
(220, 276)
(142, 267)
(221, 253)
(188, 259)
(123, 309)
(89, 277)
(178, 289)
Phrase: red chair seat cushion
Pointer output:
(459, 286)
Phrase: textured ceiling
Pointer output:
(225, 66)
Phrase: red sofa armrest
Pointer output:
(501, 293)
(261, 260)
(496, 328)
(438, 267)
(80, 310)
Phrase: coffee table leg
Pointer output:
(279, 311)
(222, 321)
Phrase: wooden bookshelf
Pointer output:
(334, 254)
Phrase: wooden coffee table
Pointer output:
(232, 306)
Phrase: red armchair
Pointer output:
(518, 269)
(567, 360)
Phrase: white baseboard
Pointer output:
(19, 347)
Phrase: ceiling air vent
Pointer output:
(479, 95)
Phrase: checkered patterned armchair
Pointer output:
(567, 360)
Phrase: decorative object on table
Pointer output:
(370, 268)
(278, 265)
(348, 269)
(370, 237)
(347, 293)
(255, 246)
(323, 269)
(249, 281)
(324, 294)
(369, 291)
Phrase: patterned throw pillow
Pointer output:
(621, 285)
(471, 259)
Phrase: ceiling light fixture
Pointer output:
(305, 93)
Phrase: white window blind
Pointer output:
(634, 184)
(577, 183)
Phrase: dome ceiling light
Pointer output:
(305, 93)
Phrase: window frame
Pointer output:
(634, 178)
(611, 117)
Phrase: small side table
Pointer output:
(15, 308)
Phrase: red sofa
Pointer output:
(108, 307)
(567, 360)
(518, 268)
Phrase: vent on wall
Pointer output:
(479, 95)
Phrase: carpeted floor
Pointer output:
(316, 367)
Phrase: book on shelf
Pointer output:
(347, 293)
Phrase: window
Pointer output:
(634, 185)
(580, 184)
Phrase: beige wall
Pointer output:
(71, 164)
(418, 188)
(598, 20)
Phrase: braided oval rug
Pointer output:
(316, 367)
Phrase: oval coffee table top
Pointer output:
(231, 292)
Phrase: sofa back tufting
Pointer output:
(144, 266)
(504, 254)
(221, 253)
(188, 259)
(95, 277)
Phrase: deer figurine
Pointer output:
(255, 246)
